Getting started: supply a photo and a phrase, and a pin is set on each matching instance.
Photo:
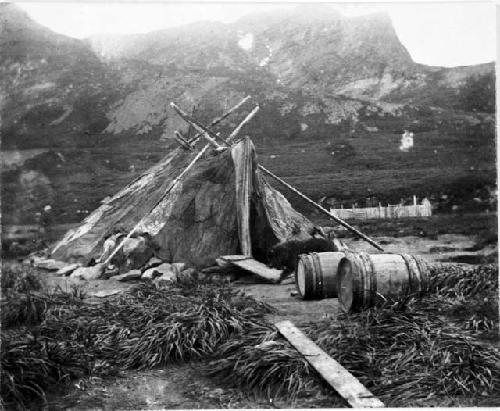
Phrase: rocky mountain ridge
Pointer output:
(328, 87)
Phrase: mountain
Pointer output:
(85, 117)
(56, 88)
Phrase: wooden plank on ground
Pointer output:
(255, 267)
(337, 376)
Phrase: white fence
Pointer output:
(391, 211)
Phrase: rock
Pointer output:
(130, 276)
(67, 270)
(178, 267)
(150, 274)
(48, 264)
(110, 271)
(221, 278)
(137, 251)
(105, 293)
(153, 262)
(95, 272)
(188, 274)
(166, 279)
(158, 271)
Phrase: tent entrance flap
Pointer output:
(243, 155)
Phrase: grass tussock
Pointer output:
(263, 363)
(452, 280)
(467, 295)
(146, 327)
(20, 278)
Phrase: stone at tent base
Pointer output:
(153, 262)
(95, 272)
(167, 278)
(178, 267)
(110, 271)
(67, 270)
(158, 271)
(48, 264)
(105, 293)
(130, 276)
(221, 278)
(137, 251)
(188, 274)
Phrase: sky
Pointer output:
(435, 33)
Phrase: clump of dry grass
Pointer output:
(468, 295)
(22, 309)
(145, 327)
(452, 280)
(20, 278)
(33, 364)
(262, 362)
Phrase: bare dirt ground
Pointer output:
(442, 248)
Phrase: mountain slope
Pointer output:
(85, 117)
(56, 89)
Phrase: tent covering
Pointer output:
(223, 205)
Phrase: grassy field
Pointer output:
(484, 227)
(458, 161)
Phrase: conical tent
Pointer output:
(223, 205)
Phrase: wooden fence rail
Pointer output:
(390, 211)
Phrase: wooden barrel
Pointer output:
(316, 275)
(365, 280)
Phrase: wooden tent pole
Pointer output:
(202, 130)
(183, 141)
(240, 126)
(172, 186)
(323, 210)
(220, 118)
